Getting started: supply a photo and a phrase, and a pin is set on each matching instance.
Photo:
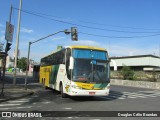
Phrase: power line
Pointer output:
(119, 36)
(96, 28)
(118, 26)
(95, 23)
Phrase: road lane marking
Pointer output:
(26, 98)
(24, 107)
(122, 98)
(8, 105)
(17, 101)
(28, 107)
(139, 94)
(68, 108)
(46, 102)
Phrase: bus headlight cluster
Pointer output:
(76, 87)
(106, 88)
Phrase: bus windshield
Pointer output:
(90, 66)
(89, 54)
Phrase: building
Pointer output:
(9, 62)
(136, 63)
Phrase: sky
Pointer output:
(123, 27)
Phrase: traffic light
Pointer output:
(74, 34)
(8, 46)
(2, 54)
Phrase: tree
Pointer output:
(127, 73)
(22, 63)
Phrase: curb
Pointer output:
(14, 98)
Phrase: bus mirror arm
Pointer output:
(109, 60)
(71, 63)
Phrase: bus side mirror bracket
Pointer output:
(71, 63)
(109, 60)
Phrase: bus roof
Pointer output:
(87, 47)
(78, 47)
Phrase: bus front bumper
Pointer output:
(78, 92)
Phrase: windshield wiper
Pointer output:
(99, 77)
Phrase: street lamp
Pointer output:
(30, 43)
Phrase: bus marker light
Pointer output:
(82, 78)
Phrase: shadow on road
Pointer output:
(112, 96)
(52, 95)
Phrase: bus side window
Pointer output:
(68, 54)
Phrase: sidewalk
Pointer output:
(12, 92)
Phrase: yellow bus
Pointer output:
(77, 71)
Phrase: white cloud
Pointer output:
(86, 42)
(116, 50)
(25, 30)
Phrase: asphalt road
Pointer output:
(120, 99)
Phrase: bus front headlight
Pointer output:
(76, 87)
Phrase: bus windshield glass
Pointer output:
(90, 66)
(89, 54)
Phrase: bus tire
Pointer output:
(62, 94)
(43, 83)
(46, 87)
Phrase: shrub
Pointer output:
(127, 73)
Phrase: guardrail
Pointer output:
(141, 84)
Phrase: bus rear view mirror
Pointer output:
(71, 63)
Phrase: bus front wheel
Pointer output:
(62, 93)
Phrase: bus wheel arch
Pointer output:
(42, 80)
(61, 90)
(43, 83)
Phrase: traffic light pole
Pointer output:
(30, 43)
(4, 69)
(5, 56)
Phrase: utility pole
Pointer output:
(17, 43)
(5, 56)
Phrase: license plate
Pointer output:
(91, 93)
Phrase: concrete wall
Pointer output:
(141, 84)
